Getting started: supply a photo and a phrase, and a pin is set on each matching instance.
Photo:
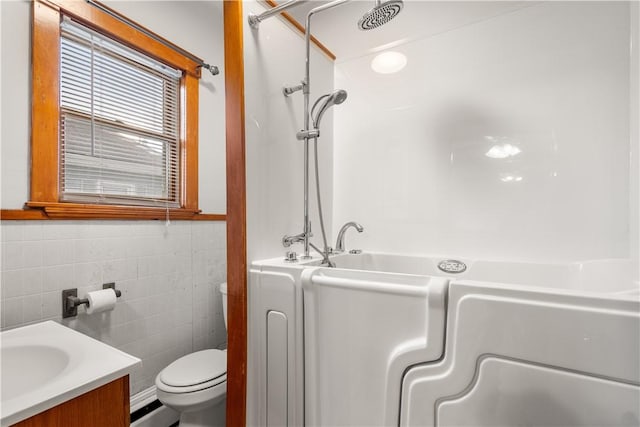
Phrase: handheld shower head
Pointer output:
(380, 14)
(333, 98)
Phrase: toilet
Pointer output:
(196, 384)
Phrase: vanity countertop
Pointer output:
(46, 364)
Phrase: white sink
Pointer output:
(16, 380)
(46, 364)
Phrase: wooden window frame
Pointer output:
(45, 112)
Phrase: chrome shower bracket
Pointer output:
(288, 90)
(304, 135)
(254, 21)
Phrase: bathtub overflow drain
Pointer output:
(452, 266)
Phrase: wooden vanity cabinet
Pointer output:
(105, 406)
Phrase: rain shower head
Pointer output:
(380, 14)
(333, 98)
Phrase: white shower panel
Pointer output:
(587, 344)
(363, 329)
(507, 139)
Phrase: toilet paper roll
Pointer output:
(99, 301)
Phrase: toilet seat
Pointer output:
(194, 372)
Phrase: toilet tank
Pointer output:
(223, 291)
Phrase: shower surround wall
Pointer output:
(274, 156)
(553, 80)
(169, 275)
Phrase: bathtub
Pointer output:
(388, 339)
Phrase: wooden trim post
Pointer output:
(236, 215)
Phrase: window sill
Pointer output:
(73, 211)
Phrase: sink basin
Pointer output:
(16, 380)
(46, 364)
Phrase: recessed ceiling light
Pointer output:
(388, 62)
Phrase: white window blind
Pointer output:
(120, 123)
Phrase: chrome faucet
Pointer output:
(290, 240)
(340, 241)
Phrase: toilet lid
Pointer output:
(195, 368)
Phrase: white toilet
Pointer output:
(196, 384)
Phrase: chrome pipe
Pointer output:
(254, 20)
(307, 227)
(324, 255)
(307, 38)
(307, 133)
(306, 88)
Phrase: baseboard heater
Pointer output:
(147, 410)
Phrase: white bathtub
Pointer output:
(609, 276)
(386, 339)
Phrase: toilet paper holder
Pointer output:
(70, 300)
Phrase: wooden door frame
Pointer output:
(236, 215)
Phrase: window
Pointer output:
(119, 130)
(114, 121)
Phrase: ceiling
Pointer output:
(337, 28)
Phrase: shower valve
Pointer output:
(291, 256)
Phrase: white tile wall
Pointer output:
(169, 277)
(634, 113)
